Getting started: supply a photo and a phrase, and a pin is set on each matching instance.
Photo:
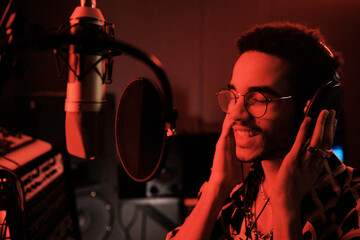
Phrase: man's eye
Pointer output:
(254, 101)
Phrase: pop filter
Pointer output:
(140, 129)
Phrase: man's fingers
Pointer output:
(226, 139)
(300, 138)
(329, 131)
(317, 136)
(226, 127)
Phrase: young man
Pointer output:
(295, 189)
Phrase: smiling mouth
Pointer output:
(246, 133)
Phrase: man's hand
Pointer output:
(298, 173)
(226, 173)
(227, 170)
(300, 168)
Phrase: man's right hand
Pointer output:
(226, 174)
(227, 170)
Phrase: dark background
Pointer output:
(195, 41)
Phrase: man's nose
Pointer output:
(239, 112)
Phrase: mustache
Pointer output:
(248, 125)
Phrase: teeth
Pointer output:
(243, 134)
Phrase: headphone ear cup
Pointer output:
(329, 96)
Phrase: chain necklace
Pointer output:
(268, 235)
(263, 193)
(251, 225)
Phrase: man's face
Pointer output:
(272, 135)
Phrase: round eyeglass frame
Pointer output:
(238, 95)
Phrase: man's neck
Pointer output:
(271, 168)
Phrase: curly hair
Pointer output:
(311, 61)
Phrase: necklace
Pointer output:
(263, 193)
(251, 225)
(268, 235)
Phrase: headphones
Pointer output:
(330, 95)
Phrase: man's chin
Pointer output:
(248, 154)
(256, 155)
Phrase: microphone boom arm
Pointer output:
(50, 41)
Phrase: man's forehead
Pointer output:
(257, 70)
(263, 89)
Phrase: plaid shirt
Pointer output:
(329, 211)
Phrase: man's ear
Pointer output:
(307, 106)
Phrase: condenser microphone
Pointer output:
(85, 94)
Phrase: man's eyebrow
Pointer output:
(263, 89)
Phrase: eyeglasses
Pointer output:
(256, 103)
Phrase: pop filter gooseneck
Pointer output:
(145, 115)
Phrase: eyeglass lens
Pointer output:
(254, 102)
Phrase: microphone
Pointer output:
(85, 94)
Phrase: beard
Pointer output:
(270, 146)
